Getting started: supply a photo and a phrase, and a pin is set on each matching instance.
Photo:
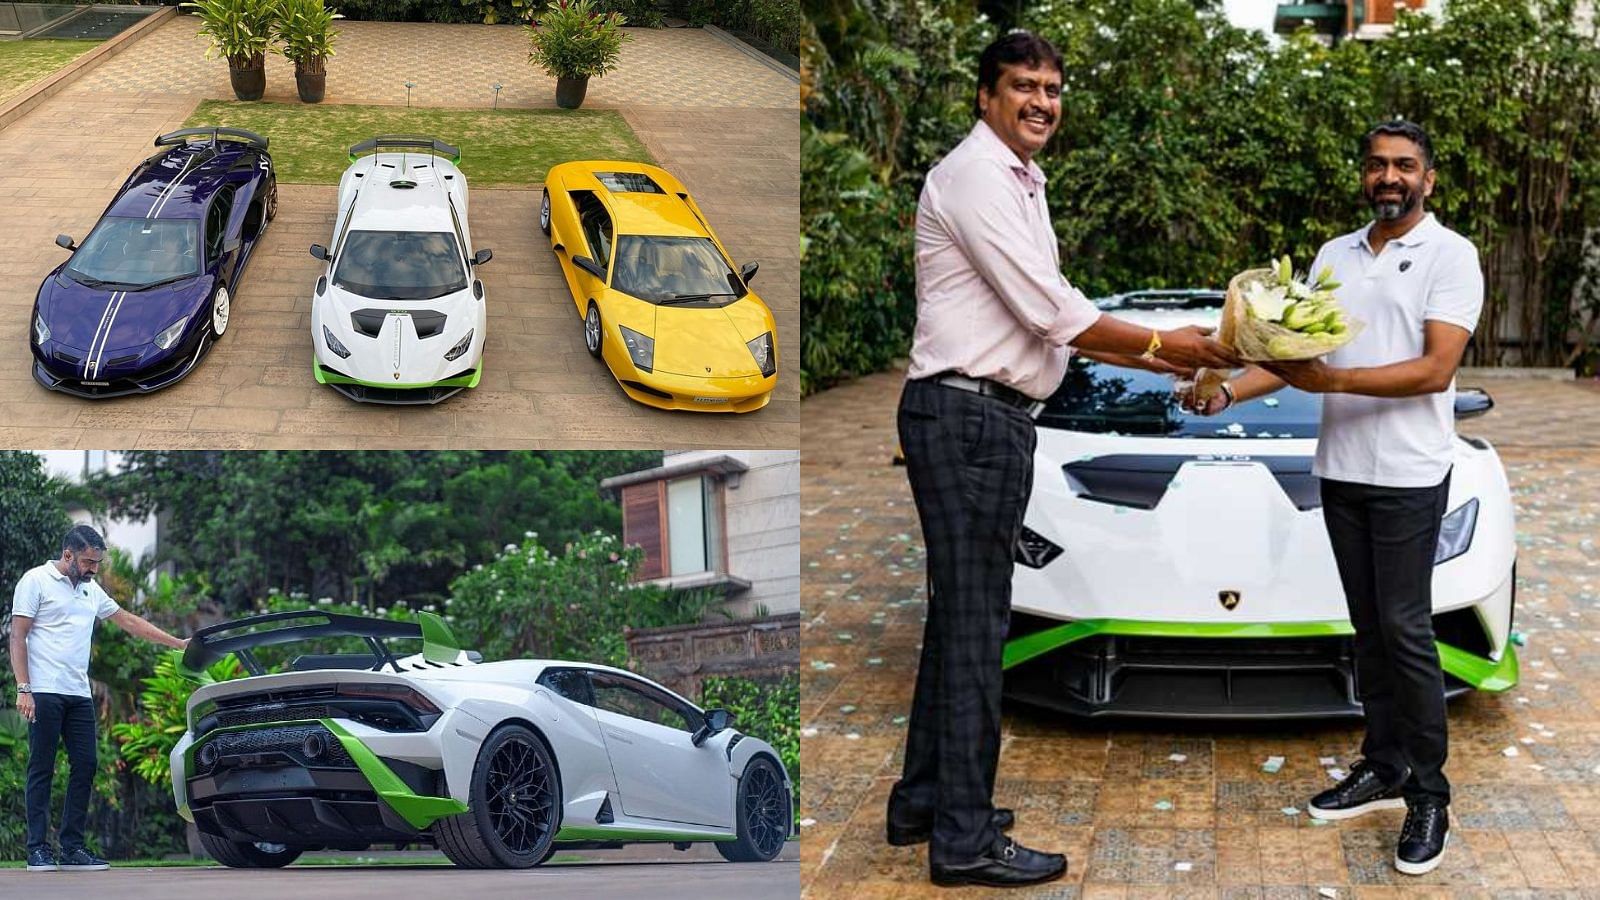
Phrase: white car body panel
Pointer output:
(1225, 524)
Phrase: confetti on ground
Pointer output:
(1329, 893)
(807, 823)
(874, 660)
(1163, 805)
(845, 636)
(1336, 774)
(1290, 811)
(848, 708)
(1316, 821)
(898, 720)
(822, 665)
(1536, 767)
(1183, 866)
(1526, 741)
(853, 736)
(1178, 758)
(808, 732)
(1327, 761)
(1510, 751)
(1272, 765)
(1518, 638)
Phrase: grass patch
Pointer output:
(24, 62)
(507, 147)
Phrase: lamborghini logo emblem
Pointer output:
(1228, 599)
(397, 376)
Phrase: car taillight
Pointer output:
(409, 696)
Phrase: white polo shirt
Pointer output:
(1428, 273)
(64, 617)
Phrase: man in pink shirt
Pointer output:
(996, 322)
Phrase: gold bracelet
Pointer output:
(1149, 354)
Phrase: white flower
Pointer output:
(430, 608)
(529, 534)
(511, 548)
(478, 567)
(382, 611)
(324, 601)
(1267, 303)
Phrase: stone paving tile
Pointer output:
(455, 65)
(539, 388)
(1092, 790)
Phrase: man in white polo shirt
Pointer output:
(53, 615)
(1384, 455)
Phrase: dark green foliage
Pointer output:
(777, 22)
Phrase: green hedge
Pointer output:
(1190, 149)
(776, 22)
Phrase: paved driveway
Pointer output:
(60, 165)
(1523, 826)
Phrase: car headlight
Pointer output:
(641, 348)
(171, 333)
(334, 345)
(41, 331)
(761, 349)
(454, 353)
(1455, 532)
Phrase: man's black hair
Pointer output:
(1400, 128)
(81, 538)
(1017, 48)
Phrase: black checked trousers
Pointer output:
(1384, 541)
(970, 462)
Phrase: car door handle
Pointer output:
(617, 736)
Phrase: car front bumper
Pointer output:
(166, 372)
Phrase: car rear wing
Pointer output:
(215, 133)
(405, 142)
(242, 636)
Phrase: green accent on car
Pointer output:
(607, 833)
(186, 814)
(418, 809)
(439, 644)
(326, 376)
(1483, 674)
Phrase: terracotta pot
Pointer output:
(570, 91)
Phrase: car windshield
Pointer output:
(674, 270)
(131, 253)
(1104, 399)
(401, 265)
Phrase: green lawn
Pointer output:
(507, 147)
(23, 62)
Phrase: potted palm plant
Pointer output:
(241, 31)
(574, 43)
(305, 27)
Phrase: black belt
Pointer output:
(988, 388)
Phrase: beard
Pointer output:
(1390, 209)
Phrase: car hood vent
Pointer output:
(1140, 480)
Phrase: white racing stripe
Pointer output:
(102, 335)
(166, 194)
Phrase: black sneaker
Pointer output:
(81, 860)
(1007, 864)
(42, 860)
(1361, 792)
(1423, 838)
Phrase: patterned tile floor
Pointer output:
(1134, 822)
(455, 65)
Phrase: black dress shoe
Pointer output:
(1007, 864)
(901, 836)
(1423, 838)
(1361, 792)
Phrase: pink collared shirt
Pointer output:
(991, 299)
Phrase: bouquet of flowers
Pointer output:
(1270, 316)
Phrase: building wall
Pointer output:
(763, 528)
(136, 536)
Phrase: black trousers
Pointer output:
(1384, 541)
(60, 718)
(970, 462)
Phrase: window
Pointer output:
(658, 269)
(401, 265)
(679, 523)
(596, 224)
(628, 183)
(637, 700)
(125, 252)
(217, 222)
(572, 684)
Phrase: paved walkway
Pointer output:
(1523, 826)
(539, 389)
(455, 65)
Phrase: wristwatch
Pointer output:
(24, 688)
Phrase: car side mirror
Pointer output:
(590, 266)
(1472, 402)
(482, 256)
(749, 271)
(319, 251)
(716, 721)
(65, 242)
